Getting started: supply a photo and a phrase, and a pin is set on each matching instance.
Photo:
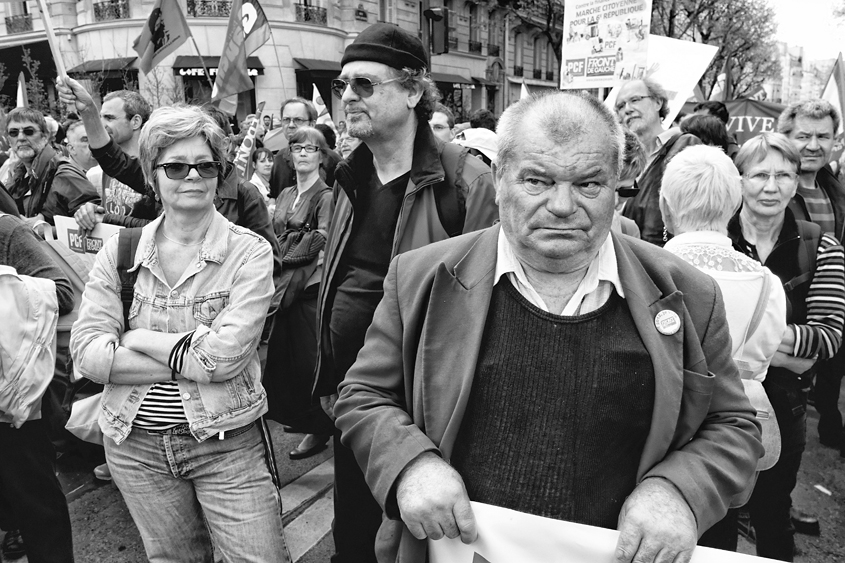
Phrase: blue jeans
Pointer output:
(185, 495)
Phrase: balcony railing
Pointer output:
(492, 50)
(538, 73)
(475, 47)
(517, 71)
(311, 14)
(550, 75)
(209, 8)
(19, 24)
(453, 42)
(111, 10)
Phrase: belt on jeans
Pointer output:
(184, 429)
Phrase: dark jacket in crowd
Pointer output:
(644, 208)
(7, 204)
(283, 174)
(56, 186)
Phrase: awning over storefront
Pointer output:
(109, 67)
(453, 78)
(315, 69)
(190, 65)
(485, 82)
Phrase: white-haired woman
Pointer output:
(700, 193)
(810, 265)
(183, 397)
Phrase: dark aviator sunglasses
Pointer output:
(361, 86)
(27, 131)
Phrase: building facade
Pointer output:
(490, 52)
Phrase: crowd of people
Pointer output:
(571, 312)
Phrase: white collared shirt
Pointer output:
(593, 291)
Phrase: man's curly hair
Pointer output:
(431, 95)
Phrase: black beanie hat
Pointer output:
(387, 44)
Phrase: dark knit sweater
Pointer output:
(559, 411)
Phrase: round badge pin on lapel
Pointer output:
(667, 322)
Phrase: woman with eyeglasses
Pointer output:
(182, 405)
(302, 214)
(811, 266)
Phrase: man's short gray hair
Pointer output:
(563, 117)
(814, 109)
(702, 187)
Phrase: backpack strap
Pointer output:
(450, 195)
(127, 248)
(810, 235)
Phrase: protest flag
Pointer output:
(22, 101)
(523, 92)
(834, 90)
(166, 31)
(322, 112)
(242, 161)
(248, 30)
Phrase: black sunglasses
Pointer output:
(28, 131)
(630, 191)
(180, 170)
(361, 86)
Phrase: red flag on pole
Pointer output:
(248, 30)
(834, 91)
(165, 31)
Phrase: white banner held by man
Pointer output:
(604, 42)
(507, 536)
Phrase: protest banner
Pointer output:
(71, 235)
(165, 31)
(242, 161)
(505, 536)
(605, 42)
(677, 66)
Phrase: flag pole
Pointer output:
(278, 60)
(51, 39)
(202, 62)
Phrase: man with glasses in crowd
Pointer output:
(641, 106)
(296, 113)
(400, 190)
(44, 183)
(811, 125)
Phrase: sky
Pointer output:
(810, 23)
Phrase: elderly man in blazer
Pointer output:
(547, 366)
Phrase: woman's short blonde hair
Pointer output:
(169, 125)
(756, 149)
(702, 188)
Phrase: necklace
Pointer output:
(180, 243)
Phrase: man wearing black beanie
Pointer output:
(400, 190)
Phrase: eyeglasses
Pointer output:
(27, 131)
(628, 191)
(782, 179)
(633, 100)
(180, 170)
(361, 86)
(298, 121)
(307, 148)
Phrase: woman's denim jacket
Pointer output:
(224, 296)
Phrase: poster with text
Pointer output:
(69, 234)
(507, 536)
(676, 65)
(604, 42)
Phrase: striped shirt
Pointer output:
(821, 334)
(161, 408)
(818, 206)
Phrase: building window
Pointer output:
(551, 61)
(111, 10)
(493, 33)
(19, 19)
(306, 13)
(209, 8)
(518, 53)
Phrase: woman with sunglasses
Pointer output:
(810, 265)
(182, 405)
(292, 351)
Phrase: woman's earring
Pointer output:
(665, 234)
